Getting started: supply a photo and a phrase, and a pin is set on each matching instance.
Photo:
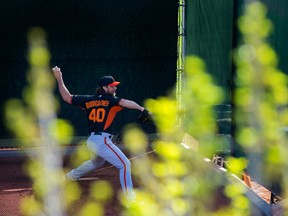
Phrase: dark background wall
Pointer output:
(135, 41)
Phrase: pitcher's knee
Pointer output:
(128, 165)
(125, 163)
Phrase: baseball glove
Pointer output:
(145, 116)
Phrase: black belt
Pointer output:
(102, 133)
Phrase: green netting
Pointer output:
(277, 13)
(209, 34)
(212, 34)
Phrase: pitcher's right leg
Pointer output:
(85, 168)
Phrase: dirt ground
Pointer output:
(15, 185)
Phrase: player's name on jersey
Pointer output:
(96, 103)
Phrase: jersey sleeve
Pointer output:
(115, 101)
(79, 100)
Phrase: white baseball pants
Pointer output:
(106, 150)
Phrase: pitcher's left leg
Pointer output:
(117, 158)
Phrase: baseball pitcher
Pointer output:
(101, 110)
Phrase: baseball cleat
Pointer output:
(68, 176)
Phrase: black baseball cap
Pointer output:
(108, 81)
